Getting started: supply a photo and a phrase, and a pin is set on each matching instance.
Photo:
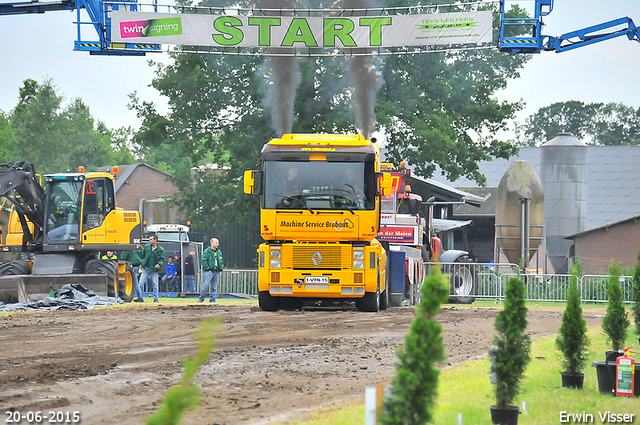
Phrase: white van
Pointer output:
(168, 232)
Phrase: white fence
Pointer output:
(490, 281)
(238, 282)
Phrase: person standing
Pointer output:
(134, 258)
(152, 261)
(190, 271)
(212, 264)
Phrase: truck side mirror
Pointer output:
(252, 182)
(414, 206)
(384, 184)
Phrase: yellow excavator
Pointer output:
(52, 235)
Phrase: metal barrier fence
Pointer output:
(490, 282)
(238, 282)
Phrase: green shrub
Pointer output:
(510, 352)
(414, 387)
(616, 321)
(573, 341)
(186, 395)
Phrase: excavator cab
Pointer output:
(75, 206)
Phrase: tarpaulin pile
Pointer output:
(70, 296)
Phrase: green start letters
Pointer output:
(231, 32)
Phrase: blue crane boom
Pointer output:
(99, 12)
(523, 34)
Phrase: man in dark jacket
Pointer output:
(152, 261)
(190, 271)
(212, 264)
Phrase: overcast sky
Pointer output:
(40, 46)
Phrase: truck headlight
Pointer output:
(358, 255)
(275, 264)
(275, 253)
(358, 264)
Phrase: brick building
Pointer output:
(144, 188)
(596, 247)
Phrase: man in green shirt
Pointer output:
(212, 264)
(152, 261)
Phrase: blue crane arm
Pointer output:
(521, 30)
(591, 35)
(19, 8)
(99, 18)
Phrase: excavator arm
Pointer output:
(19, 186)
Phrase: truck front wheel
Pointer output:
(14, 268)
(106, 267)
(267, 302)
(463, 281)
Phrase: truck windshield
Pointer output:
(63, 222)
(319, 185)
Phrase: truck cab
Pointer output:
(319, 216)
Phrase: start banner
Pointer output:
(302, 32)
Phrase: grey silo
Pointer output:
(563, 171)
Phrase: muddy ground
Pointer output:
(113, 365)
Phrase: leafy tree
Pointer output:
(414, 387)
(597, 123)
(7, 137)
(55, 137)
(38, 126)
(616, 321)
(511, 350)
(573, 341)
(440, 109)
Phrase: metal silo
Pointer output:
(563, 169)
(519, 212)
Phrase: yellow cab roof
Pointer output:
(321, 139)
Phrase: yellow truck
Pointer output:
(319, 217)
(53, 235)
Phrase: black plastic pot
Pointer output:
(504, 415)
(572, 381)
(606, 372)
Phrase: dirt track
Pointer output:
(114, 365)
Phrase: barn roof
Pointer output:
(613, 179)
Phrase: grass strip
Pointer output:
(465, 389)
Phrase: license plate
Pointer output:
(316, 279)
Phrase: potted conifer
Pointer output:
(616, 321)
(413, 388)
(509, 354)
(573, 341)
(615, 324)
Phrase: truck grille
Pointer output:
(319, 256)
